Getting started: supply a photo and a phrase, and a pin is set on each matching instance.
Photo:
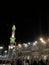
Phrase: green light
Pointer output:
(12, 40)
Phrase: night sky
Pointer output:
(28, 28)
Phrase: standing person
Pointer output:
(29, 61)
(24, 63)
(27, 64)
(35, 63)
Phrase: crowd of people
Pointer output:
(28, 62)
(31, 62)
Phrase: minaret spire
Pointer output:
(12, 38)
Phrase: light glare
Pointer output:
(41, 39)
(25, 45)
(19, 45)
(35, 43)
(28, 42)
(1, 47)
(5, 51)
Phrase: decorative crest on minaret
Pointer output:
(12, 38)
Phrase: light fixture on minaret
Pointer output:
(12, 38)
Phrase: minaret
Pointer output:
(12, 38)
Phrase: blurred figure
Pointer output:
(35, 63)
(42, 63)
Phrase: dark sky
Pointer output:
(28, 27)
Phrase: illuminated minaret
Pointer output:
(12, 38)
